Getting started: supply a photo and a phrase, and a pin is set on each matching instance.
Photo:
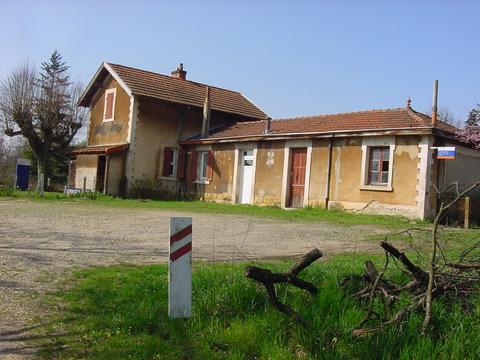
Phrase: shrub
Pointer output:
(152, 189)
(6, 191)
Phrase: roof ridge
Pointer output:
(171, 77)
(338, 114)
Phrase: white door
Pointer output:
(246, 177)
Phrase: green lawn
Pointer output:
(121, 313)
(306, 214)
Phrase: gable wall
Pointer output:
(109, 132)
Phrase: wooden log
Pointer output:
(464, 266)
(269, 279)
(416, 272)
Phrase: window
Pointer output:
(109, 105)
(379, 164)
(169, 162)
(202, 165)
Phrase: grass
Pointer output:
(306, 214)
(121, 313)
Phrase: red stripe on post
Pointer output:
(181, 234)
(180, 252)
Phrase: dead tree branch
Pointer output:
(269, 279)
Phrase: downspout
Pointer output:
(329, 171)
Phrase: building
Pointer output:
(136, 120)
(214, 144)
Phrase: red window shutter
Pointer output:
(193, 166)
(167, 160)
(109, 105)
(210, 165)
(181, 164)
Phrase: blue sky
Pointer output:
(291, 58)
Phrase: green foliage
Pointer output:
(150, 189)
(121, 312)
(7, 191)
(473, 118)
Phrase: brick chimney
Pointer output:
(179, 73)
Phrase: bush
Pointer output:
(6, 191)
(152, 189)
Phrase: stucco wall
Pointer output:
(86, 166)
(109, 132)
(219, 188)
(318, 173)
(346, 178)
(464, 169)
(116, 164)
(269, 173)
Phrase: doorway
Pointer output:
(101, 166)
(298, 166)
(246, 177)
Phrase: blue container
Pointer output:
(23, 169)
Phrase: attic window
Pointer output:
(109, 106)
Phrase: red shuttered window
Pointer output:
(109, 105)
(193, 166)
(181, 164)
(168, 162)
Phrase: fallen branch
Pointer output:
(464, 266)
(269, 279)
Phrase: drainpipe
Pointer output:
(206, 114)
(329, 171)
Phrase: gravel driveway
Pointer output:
(40, 242)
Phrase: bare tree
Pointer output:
(42, 107)
(447, 116)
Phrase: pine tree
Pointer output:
(473, 117)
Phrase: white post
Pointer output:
(180, 268)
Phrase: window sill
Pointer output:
(202, 181)
(168, 178)
(376, 188)
(108, 120)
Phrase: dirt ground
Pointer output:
(41, 242)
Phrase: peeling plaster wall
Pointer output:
(219, 188)
(86, 167)
(269, 173)
(318, 173)
(346, 178)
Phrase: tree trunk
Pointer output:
(42, 170)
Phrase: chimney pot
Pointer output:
(179, 73)
(409, 103)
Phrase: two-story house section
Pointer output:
(136, 120)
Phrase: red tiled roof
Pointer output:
(168, 88)
(371, 120)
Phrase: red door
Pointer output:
(298, 166)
